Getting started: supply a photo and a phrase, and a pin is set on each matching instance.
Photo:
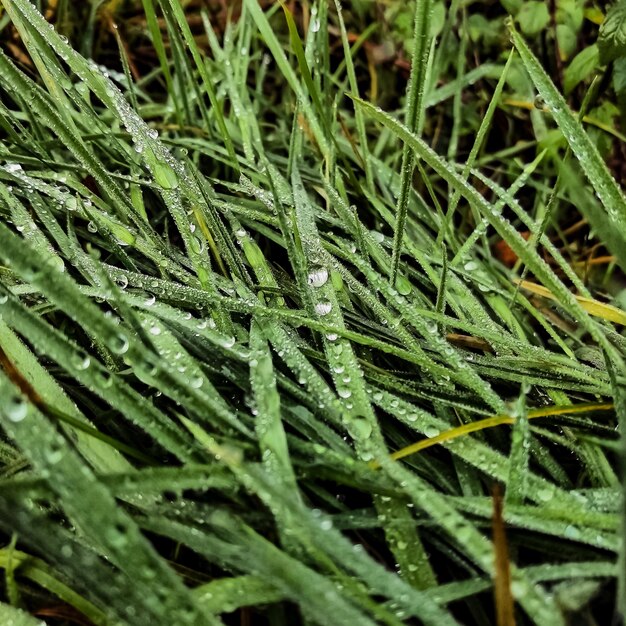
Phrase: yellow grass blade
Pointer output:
(490, 422)
(593, 307)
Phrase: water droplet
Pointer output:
(344, 392)
(571, 532)
(431, 431)
(332, 336)
(12, 168)
(81, 360)
(315, 25)
(106, 379)
(16, 408)
(377, 236)
(150, 300)
(545, 495)
(318, 276)
(470, 266)
(155, 330)
(122, 282)
(229, 342)
(153, 133)
(117, 536)
(431, 327)
(54, 452)
(360, 427)
(323, 308)
(92, 228)
(119, 344)
(196, 382)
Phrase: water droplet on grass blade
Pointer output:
(81, 360)
(318, 276)
(431, 431)
(16, 408)
(323, 308)
(229, 342)
(118, 344)
(359, 427)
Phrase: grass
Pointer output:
(268, 357)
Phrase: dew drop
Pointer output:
(229, 342)
(571, 532)
(119, 344)
(377, 236)
(318, 276)
(196, 382)
(16, 409)
(81, 360)
(545, 495)
(323, 308)
(360, 427)
(431, 431)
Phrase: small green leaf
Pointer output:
(619, 76)
(512, 6)
(533, 17)
(570, 13)
(566, 39)
(581, 67)
(612, 35)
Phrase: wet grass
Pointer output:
(272, 354)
